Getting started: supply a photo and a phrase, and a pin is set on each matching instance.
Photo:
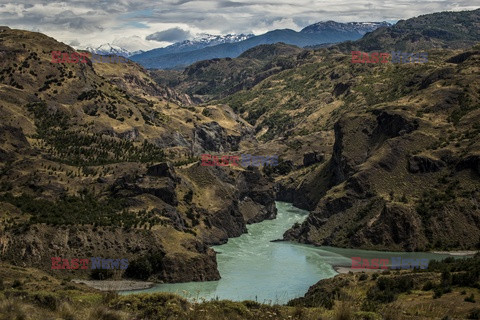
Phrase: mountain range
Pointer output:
(105, 160)
(180, 55)
(109, 49)
(200, 42)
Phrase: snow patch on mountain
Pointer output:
(360, 27)
(207, 40)
(109, 49)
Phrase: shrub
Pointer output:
(343, 311)
(369, 306)
(470, 298)
(474, 314)
(13, 309)
(139, 269)
(101, 274)
(109, 296)
(428, 286)
(142, 268)
(188, 197)
(437, 293)
(66, 312)
(102, 313)
(387, 287)
(16, 283)
(363, 277)
(46, 300)
(206, 112)
(153, 306)
(367, 315)
(252, 304)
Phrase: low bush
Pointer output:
(470, 298)
(142, 268)
(101, 274)
(46, 300)
(474, 314)
(387, 288)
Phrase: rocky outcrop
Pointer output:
(312, 158)
(164, 169)
(440, 74)
(351, 146)
(423, 164)
(362, 202)
(179, 268)
(256, 196)
(459, 58)
(340, 88)
(247, 197)
(35, 247)
(471, 162)
(396, 224)
(130, 186)
(131, 134)
(229, 221)
(212, 137)
(251, 199)
(285, 193)
(175, 139)
(12, 141)
(391, 125)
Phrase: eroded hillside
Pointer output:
(87, 152)
(385, 155)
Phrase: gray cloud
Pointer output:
(232, 4)
(170, 35)
(74, 43)
(145, 24)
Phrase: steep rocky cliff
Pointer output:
(398, 183)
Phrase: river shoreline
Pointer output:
(342, 269)
(457, 253)
(116, 285)
(133, 285)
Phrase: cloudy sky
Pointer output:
(145, 24)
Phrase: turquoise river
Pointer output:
(254, 268)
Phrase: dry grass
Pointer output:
(12, 310)
(343, 311)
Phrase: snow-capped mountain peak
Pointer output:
(109, 49)
(206, 40)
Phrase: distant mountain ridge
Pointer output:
(217, 78)
(198, 43)
(453, 30)
(360, 27)
(322, 32)
(204, 40)
(109, 49)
